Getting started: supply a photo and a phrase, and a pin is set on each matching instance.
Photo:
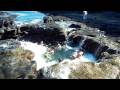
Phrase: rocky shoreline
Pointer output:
(57, 30)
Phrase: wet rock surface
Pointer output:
(15, 62)
(8, 28)
(96, 44)
(108, 69)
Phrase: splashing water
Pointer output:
(39, 51)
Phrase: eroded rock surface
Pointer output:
(108, 69)
(15, 62)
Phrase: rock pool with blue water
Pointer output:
(65, 53)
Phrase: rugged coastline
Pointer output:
(57, 30)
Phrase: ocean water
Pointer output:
(27, 17)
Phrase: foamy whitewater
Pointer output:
(39, 51)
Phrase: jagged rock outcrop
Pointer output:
(108, 69)
(48, 20)
(94, 47)
(49, 35)
(15, 62)
(7, 26)
(92, 41)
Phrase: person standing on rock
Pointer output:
(85, 13)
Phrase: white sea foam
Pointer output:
(64, 72)
(39, 51)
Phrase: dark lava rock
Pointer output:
(94, 47)
(74, 26)
(112, 51)
(7, 26)
(48, 20)
(51, 35)
(91, 45)
(15, 62)
(75, 39)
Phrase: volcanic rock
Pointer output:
(8, 28)
(15, 62)
(93, 41)
(49, 35)
(74, 26)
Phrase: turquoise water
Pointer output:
(63, 54)
(28, 16)
(91, 57)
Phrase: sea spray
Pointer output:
(39, 51)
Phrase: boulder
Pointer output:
(15, 62)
